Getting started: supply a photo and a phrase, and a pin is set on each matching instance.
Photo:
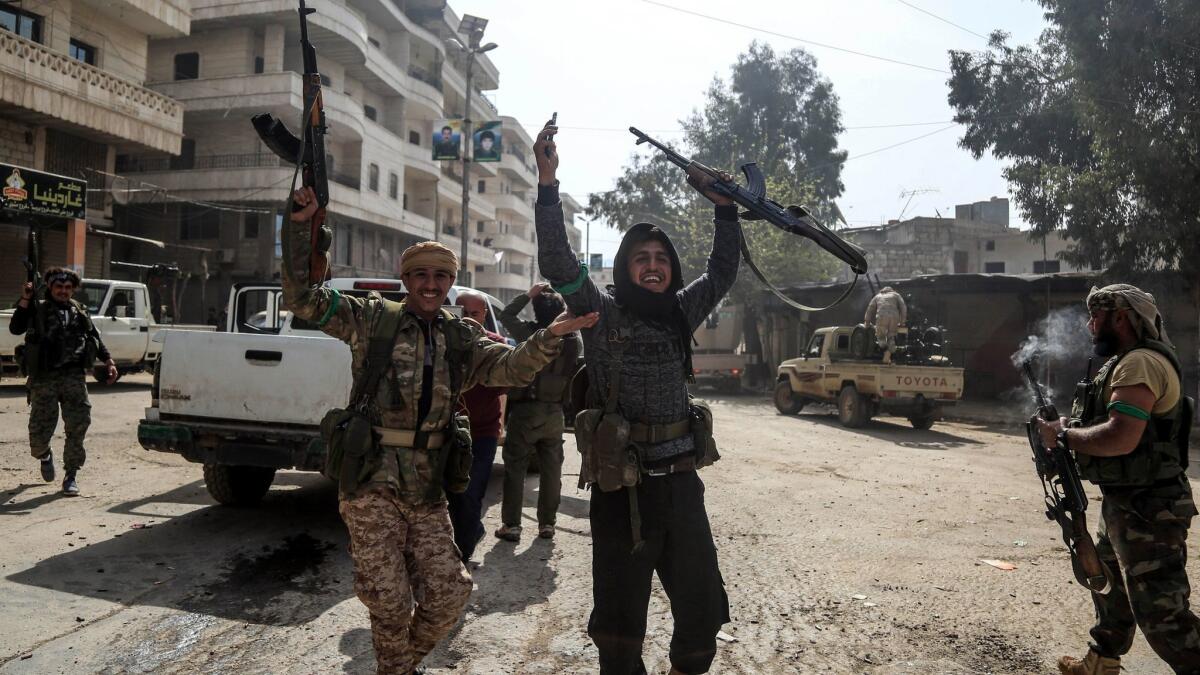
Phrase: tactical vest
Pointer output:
(32, 355)
(550, 385)
(1160, 453)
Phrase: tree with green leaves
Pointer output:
(775, 109)
(1100, 121)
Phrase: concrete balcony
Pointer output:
(50, 88)
(513, 163)
(515, 204)
(512, 242)
(508, 280)
(156, 18)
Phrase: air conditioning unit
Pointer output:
(225, 256)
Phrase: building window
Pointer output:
(404, 201)
(479, 226)
(1045, 267)
(187, 156)
(81, 51)
(250, 226)
(26, 24)
(370, 112)
(993, 268)
(373, 177)
(259, 65)
(482, 186)
(394, 186)
(414, 138)
(989, 245)
(199, 222)
(187, 66)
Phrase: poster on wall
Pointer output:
(486, 142)
(447, 139)
(43, 194)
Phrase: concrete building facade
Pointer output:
(72, 97)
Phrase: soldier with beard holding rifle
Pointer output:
(641, 436)
(1128, 430)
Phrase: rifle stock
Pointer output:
(1066, 501)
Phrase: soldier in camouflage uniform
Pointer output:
(408, 572)
(1128, 430)
(61, 344)
(535, 418)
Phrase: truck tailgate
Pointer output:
(252, 378)
(931, 382)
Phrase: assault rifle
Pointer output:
(32, 273)
(1065, 498)
(753, 198)
(308, 154)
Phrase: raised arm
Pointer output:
(701, 296)
(498, 365)
(519, 330)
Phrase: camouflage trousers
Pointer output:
(886, 326)
(1143, 541)
(533, 429)
(47, 392)
(408, 573)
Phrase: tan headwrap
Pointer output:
(1149, 322)
(428, 254)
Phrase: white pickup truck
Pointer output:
(248, 401)
(861, 387)
(121, 312)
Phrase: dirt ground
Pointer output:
(843, 552)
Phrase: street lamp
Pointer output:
(472, 27)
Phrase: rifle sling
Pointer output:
(779, 294)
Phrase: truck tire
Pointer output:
(785, 401)
(922, 422)
(861, 339)
(853, 408)
(237, 485)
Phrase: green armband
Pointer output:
(569, 288)
(1131, 410)
(333, 305)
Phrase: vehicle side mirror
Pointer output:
(111, 312)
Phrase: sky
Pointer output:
(605, 65)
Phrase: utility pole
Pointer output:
(472, 27)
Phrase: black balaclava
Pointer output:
(547, 305)
(662, 309)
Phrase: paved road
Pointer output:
(843, 552)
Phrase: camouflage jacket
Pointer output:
(398, 396)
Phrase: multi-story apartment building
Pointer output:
(71, 99)
(389, 72)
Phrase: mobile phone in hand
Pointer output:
(553, 121)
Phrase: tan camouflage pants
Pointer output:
(1143, 541)
(408, 573)
(46, 393)
(886, 325)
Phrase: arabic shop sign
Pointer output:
(42, 194)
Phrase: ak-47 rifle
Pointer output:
(308, 154)
(753, 198)
(1066, 501)
(29, 353)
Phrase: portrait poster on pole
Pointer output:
(486, 145)
(447, 139)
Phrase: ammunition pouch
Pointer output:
(351, 451)
(28, 357)
(458, 455)
(702, 433)
(609, 460)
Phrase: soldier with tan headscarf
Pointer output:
(1129, 429)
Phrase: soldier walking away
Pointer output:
(1128, 429)
(535, 418)
(887, 312)
(482, 406)
(641, 436)
(61, 344)
(410, 360)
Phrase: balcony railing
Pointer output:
(425, 76)
(136, 164)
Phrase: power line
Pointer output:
(942, 19)
(796, 39)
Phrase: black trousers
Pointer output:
(678, 545)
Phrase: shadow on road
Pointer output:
(283, 562)
(901, 434)
(500, 566)
(13, 507)
(15, 388)
(356, 644)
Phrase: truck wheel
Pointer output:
(860, 341)
(785, 401)
(922, 422)
(237, 485)
(853, 408)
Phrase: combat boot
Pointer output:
(1092, 664)
(70, 488)
(47, 463)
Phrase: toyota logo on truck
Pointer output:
(921, 381)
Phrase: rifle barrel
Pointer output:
(1027, 367)
(674, 157)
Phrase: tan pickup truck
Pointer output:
(864, 387)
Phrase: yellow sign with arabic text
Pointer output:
(42, 194)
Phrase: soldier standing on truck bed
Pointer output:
(61, 344)
(411, 360)
(887, 312)
(535, 418)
